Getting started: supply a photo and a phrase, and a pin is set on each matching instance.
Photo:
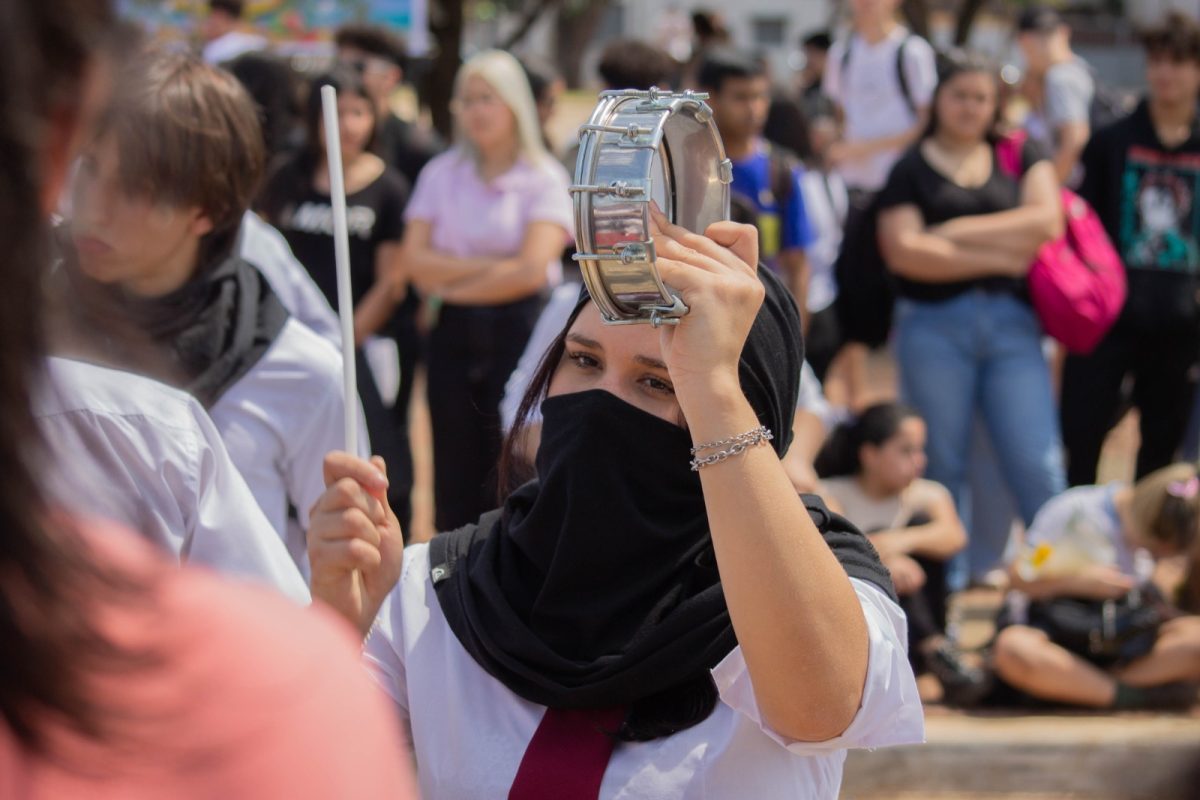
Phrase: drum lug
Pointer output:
(627, 253)
(725, 171)
(631, 132)
(626, 189)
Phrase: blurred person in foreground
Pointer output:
(149, 279)
(124, 677)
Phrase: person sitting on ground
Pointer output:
(1100, 543)
(149, 279)
(871, 470)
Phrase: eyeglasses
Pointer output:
(469, 101)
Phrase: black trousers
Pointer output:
(472, 352)
(386, 441)
(410, 344)
(926, 607)
(823, 342)
(1161, 360)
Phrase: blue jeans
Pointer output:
(980, 353)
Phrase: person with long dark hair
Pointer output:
(296, 200)
(872, 468)
(122, 676)
(486, 228)
(626, 625)
(959, 234)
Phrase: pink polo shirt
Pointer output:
(471, 217)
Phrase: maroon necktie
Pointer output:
(567, 756)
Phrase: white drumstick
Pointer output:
(341, 256)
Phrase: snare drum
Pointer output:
(638, 147)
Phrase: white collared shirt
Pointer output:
(451, 706)
(136, 451)
(268, 251)
(280, 420)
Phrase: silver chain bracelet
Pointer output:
(736, 446)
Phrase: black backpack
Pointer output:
(866, 288)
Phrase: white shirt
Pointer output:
(827, 202)
(136, 451)
(231, 45)
(279, 421)
(268, 250)
(872, 99)
(469, 732)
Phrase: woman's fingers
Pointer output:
(742, 240)
(348, 493)
(371, 474)
(744, 259)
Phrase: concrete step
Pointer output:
(1043, 757)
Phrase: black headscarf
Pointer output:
(202, 338)
(596, 585)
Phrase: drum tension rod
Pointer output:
(630, 131)
(618, 188)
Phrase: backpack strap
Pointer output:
(902, 76)
(780, 167)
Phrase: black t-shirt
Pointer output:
(405, 147)
(374, 215)
(1148, 197)
(914, 182)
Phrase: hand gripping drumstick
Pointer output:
(341, 256)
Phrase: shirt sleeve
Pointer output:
(797, 230)
(831, 81)
(550, 200)
(228, 530)
(1050, 521)
(890, 713)
(1069, 90)
(422, 204)
(900, 188)
(383, 652)
(390, 225)
(920, 69)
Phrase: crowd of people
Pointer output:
(703, 560)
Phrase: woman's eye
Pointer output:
(584, 360)
(658, 385)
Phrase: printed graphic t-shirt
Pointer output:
(1148, 197)
(374, 215)
(782, 221)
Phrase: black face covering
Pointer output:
(596, 585)
(203, 337)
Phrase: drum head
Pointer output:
(638, 148)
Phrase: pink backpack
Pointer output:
(1076, 282)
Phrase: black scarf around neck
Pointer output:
(596, 585)
(202, 338)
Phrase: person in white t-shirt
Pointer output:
(150, 281)
(135, 451)
(882, 76)
(625, 626)
(1101, 543)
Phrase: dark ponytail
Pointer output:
(839, 457)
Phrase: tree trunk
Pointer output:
(966, 19)
(573, 32)
(446, 26)
(528, 20)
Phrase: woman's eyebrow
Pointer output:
(647, 361)
(584, 341)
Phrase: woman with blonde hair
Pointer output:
(487, 223)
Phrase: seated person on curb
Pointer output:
(148, 279)
(871, 470)
(1101, 543)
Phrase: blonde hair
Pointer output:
(1166, 505)
(507, 78)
